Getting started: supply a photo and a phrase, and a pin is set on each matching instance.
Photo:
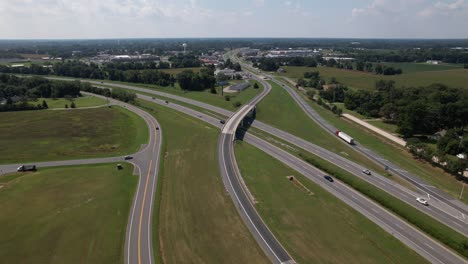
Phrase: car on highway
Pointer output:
(422, 201)
(222, 121)
(366, 171)
(167, 102)
(153, 98)
(328, 178)
(128, 157)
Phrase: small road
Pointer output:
(138, 241)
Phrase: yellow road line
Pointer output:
(141, 211)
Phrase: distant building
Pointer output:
(438, 135)
(434, 62)
(240, 86)
(461, 156)
(281, 70)
(228, 72)
(17, 65)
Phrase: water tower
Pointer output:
(185, 47)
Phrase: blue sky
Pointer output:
(235, 18)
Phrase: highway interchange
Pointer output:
(138, 239)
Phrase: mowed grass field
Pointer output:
(416, 76)
(316, 228)
(43, 135)
(85, 101)
(66, 214)
(196, 220)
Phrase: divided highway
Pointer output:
(438, 210)
(432, 250)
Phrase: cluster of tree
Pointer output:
(136, 65)
(334, 93)
(191, 81)
(184, 61)
(116, 93)
(311, 79)
(452, 143)
(387, 70)
(17, 93)
(34, 87)
(23, 105)
(439, 157)
(8, 54)
(78, 69)
(230, 65)
(416, 110)
(273, 64)
(413, 55)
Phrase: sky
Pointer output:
(90, 19)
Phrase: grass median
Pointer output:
(197, 221)
(42, 135)
(317, 228)
(66, 214)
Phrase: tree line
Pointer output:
(415, 110)
(16, 93)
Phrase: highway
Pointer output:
(437, 209)
(291, 139)
(442, 198)
(138, 241)
(421, 185)
(432, 250)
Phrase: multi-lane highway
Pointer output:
(436, 251)
(438, 210)
(432, 250)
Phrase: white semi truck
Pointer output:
(345, 137)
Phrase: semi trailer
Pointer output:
(345, 137)
(26, 168)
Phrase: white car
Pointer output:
(422, 201)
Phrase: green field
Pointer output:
(197, 220)
(316, 228)
(85, 101)
(398, 155)
(420, 67)
(456, 77)
(66, 215)
(43, 135)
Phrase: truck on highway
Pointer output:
(26, 168)
(345, 137)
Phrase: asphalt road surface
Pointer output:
(138, 242)
(432, 250)
(437, 209)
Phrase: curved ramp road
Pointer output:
(232, 180)
(138, 242)
(432, 250)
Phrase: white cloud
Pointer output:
(444, 8)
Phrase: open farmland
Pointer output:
(457, 77)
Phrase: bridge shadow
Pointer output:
(245, 124)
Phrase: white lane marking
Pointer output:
(133, 212)
(428, 245)
(242, 206)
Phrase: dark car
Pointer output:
(328, 178)
(222, 121)
(167, 102)
(128, 157)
